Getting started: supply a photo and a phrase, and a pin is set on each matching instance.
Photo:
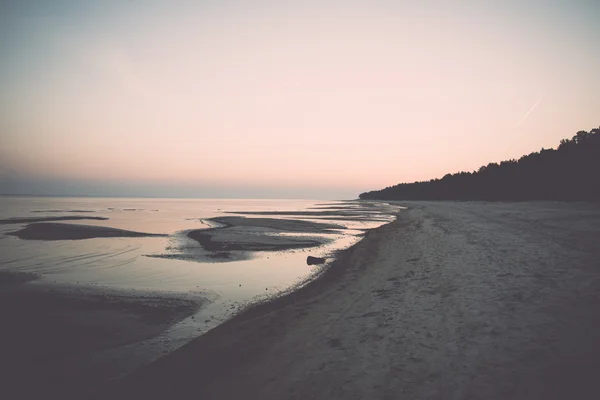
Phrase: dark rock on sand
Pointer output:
(310, 260)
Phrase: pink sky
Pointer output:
(351, 96)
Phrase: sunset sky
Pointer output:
(311, 99)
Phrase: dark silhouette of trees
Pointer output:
(569, 173)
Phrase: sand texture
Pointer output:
(279, 224)
(260, 234)
(451, 301)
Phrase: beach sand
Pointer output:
(451, 301)
(278, 224)
(261, 234)
(54, 338)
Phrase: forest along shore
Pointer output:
(452, 300)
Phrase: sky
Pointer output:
(280, 99)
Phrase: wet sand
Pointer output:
(53, 337)
(451, 301)
(290, 225)
(327, 213)
(226, 241)
(260, 234)
(59, 231)
(349, 211)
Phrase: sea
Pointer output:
(174, 263)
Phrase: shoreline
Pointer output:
(256, 316)
(451, 300)
(35, 333)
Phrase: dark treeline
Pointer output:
(570, 172)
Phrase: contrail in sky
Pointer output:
(529, 112)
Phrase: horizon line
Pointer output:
(163, 197)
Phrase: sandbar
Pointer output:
(60, 231)
(356, 212)
(26, 220)
(261, 234)
(279, 224)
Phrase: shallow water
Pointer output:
(174, 263)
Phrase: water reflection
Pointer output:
(176, 263)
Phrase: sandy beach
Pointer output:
(451, 301)
(276, 200)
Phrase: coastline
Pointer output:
(451, 300)
(239, 340)
(71, 338)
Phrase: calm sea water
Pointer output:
(145, 263)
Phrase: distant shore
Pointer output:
(452, 300)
